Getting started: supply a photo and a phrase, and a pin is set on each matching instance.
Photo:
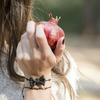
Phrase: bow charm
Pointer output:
(36, 81)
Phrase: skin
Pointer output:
(35, 58)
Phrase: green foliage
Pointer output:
(69, 10)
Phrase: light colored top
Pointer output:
(12, 91)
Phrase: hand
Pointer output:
(34, 56)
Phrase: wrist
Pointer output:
(33, 94)
(37, 74)
(46, 76)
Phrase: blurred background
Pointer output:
(80, 20)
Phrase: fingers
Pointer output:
(36, 37)
(59, 48)
(19, 51)
(25, 46)
(31, 34)
(41, 39)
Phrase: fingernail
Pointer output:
(63, 41)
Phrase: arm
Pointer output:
(38, 94)
(35, 58)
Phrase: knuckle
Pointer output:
(61, 49)
(26, 57)
(30, 31)
(19, 57)
(46, 56)
(23, 36)
(40, 37)
(36, 58)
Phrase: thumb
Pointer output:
(60, 48)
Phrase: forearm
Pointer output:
(30, 94)
(35, 57)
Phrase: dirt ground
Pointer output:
(87, 56)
